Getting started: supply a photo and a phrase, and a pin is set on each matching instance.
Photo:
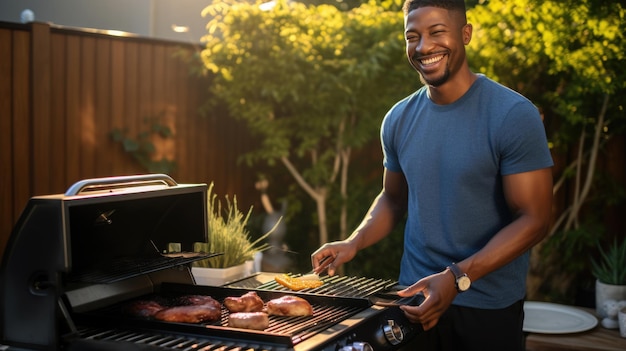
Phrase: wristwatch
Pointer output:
(461, 280)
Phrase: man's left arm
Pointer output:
(529, 196)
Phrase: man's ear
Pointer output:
(467, 33)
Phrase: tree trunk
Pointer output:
(319, 195)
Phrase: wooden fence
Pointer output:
(63, 91)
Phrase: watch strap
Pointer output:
(459, 276)
(455, 270)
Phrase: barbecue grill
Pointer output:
(74, 260)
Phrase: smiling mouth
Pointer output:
(431, 60)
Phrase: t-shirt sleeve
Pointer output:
(390, 155)
(524, 142)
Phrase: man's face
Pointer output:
(435, 43)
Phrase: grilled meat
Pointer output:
(248, 302)
(197, 300)
(289, 306)
(189, 314)
(249, 320)
(143, 308)
(193, 309)
(298, 283)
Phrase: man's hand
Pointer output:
(332, 255)
(439, 291)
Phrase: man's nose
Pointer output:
(422, 44)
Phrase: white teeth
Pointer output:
(432, 60)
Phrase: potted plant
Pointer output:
(610, 273)
(227, 234)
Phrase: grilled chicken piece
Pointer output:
(289, 306)
(197, 300)
(143, 308)
(249, 320)
(190, 314)
(248, 302)
(299, 283)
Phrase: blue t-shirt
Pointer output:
(453, 157)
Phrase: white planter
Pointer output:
(221, 276)
(606, 292)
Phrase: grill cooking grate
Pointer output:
(339, 286)
(301, 328)
(283, 331)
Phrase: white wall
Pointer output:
(150, 18)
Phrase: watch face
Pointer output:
(463, 283)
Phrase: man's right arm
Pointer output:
(388, 208)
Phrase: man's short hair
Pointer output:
(453, 5)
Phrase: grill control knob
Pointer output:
(358, 346)
(393, 332)
(362, 346)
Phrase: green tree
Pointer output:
(568, 57)
(313, 82)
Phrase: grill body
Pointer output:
(74, 259)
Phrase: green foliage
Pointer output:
(306, 78)
(228, 234)
(142, 149)
(311, 82)
(568, 58)
(611, 269)
(580, 240)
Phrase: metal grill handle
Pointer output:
(119, 182)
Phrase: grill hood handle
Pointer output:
(99, 184)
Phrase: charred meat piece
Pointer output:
(289, 306)
(249, 320)
(189, 314)
(195, 300)
(143, 308)
(248, 302)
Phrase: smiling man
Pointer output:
(467, 164)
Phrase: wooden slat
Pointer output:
(103, 114)
(58, 113)
(132, 111)
(40, 88)
(117, 101)
(167, 146)
(21, 121)
(183, 117)
(87, 120)
(6, 137)
(72, 105)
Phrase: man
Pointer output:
(466, 160)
